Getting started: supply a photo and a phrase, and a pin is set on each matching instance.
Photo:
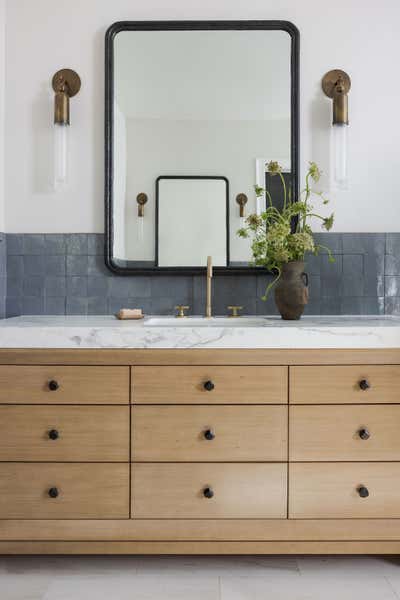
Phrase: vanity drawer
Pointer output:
(209, 433)
(209, 385)
(325, 433)
(345, 384)
(332, 490)
(85, 491)
(179, 491)
(63, 385)
(64, 433)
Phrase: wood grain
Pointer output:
(331, 433)
(86, 490)
(77, 385)
(240, 490)
(242, 433)
(86, 433)
(329, 490)
(340, 384)
(185, 385)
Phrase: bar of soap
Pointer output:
(130, 313)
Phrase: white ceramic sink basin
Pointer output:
(205, 322)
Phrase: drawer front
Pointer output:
(354, 384)
(85, 491)
(63, 385)
(64, 433)
(335, 490)
(324, 433)
(209, 433)
(209, 385)
(179, 491)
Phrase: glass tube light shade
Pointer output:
(61, 135)
(340, 155)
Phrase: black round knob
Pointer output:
(53, 434)
(364, 434)
(208, 493)
(209, 434)
(53, 385)
(209, 386)
(364, 384)
(363, 491)
(53, 492)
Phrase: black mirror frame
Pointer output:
(116, 28)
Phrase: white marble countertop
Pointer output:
(245, 332)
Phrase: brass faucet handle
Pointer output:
(181, 311)
(235, 310)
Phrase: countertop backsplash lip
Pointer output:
(65, 274)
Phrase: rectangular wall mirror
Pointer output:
(194, 111)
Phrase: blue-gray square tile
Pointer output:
(393, 244)
(97, 286)
(392, 264)
(170, 286)
(332, 269)
(331, 306)
(13, 306)
(97, 267)
(55, 244)
(115, 304)
(353, 285)
(125, 287)
(313, 264)
(268, 307)
(15, 243)
(77, 265)
(15, 266)
(331, 240)
(353, 265)
(2, 308)
(3, 286)
(363, 243)
(96, 244)
(55, 286)
(313, 307)
(54, 265)
(14, 286)
(77, 286)
(54, 305)
(33, 265)
(392, 286)
(33, 286)
(77, 243)
(166, 306)
(97, 305)
(76, 306)
(32, 305)
(34, 243)
(392, 305)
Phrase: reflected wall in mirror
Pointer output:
(192, 221)
(194, 99)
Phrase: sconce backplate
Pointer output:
(69, 77)
(330, 79)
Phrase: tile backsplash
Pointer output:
(61, 274)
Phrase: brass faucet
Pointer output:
(181, 311)
(209, 277)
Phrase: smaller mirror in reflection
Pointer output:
(192, 221)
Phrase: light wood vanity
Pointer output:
(199, 451)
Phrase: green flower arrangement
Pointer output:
(280, 237)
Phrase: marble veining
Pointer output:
(270, 332)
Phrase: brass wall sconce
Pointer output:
(141, 200)
(66, 84)
(336, 85)
(241, 199)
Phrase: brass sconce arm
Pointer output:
(141, 199)
(66, 83)
(336, 84)
(241, 199)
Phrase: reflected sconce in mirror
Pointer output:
(66, 84)
(336, 85)
(241, 199)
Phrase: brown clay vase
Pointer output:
(291, 291)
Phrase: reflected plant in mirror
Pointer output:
(280, 240)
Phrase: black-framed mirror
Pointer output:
(194, 101)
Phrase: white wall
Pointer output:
(360, 36)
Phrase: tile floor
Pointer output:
(200, 578)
